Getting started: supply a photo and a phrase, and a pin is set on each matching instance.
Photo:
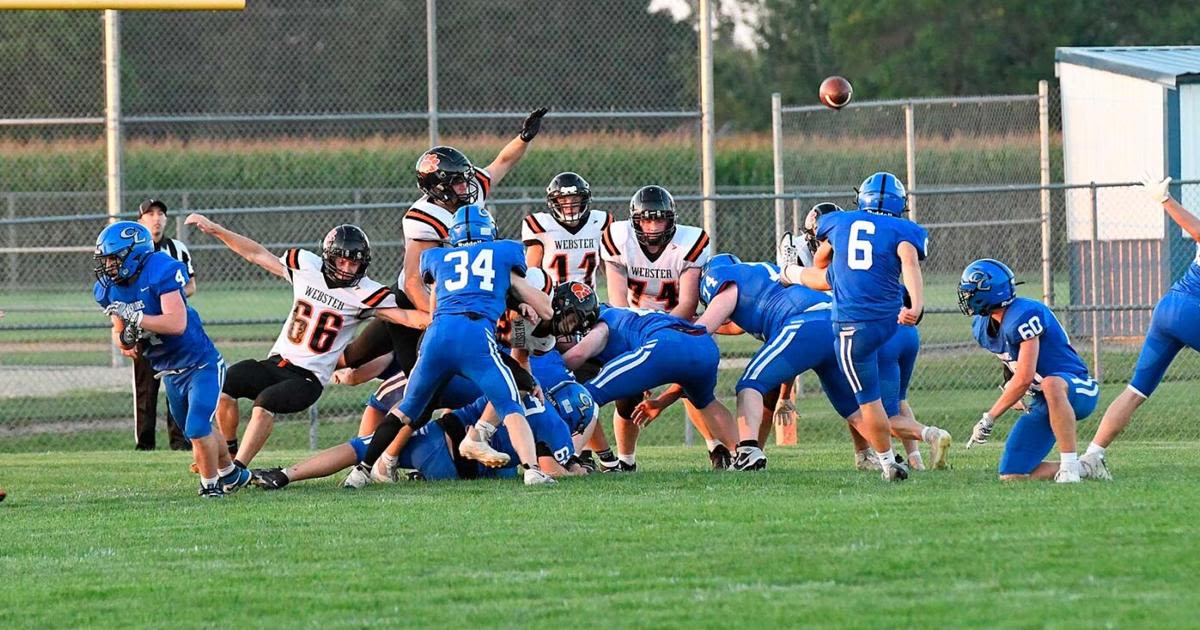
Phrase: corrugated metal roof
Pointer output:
(1163, 64)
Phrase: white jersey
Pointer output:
(427, 221)
(567, 255)
(654, 281)
(323, 320)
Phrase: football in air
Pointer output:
(836, 92)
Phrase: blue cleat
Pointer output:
(236, 480)
(212, 492)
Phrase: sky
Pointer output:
(745, 16)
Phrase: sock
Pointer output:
(629, 459)
(389, 460)
(711, 444)
(606, 455)
(886, 459)
(929, 434)
(232, 445)
(914, 459)
(226, 471)
(287, 472)
(743, 443)
(238, 464)
(1070, 461)
(485, 431)
(208, 483)
(1095, 448)
(585, 453)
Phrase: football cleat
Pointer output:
(535, 477)
(720, 457)
(1065, 475)
(588, 462)
(895, 471)
(383, 472)
(939, 448)
(483, 453)
(866, 460)
(749, 458)
(1094, 466)
(359, 477)
(786, 252)
(236, 480)
(269, 478)
(212, 492)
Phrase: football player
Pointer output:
(142, 292)
(643, 349)
(651, 262)
(1173, 326)
(331, 295)
(471, 281)
(1026, 336)
(447, 181)
(862, 255)
(565, 241)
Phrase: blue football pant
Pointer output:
(858, 345)
(192, 397)
(800, 345)
(1031, 437)
(1175, 324)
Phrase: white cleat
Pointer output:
(359, 477)
(939, 448)
(1066, 476)
(535, 477)
(895, 471)
(382, 472)
(786, 252)
(1093, 466)
(483, 453)
(866, 460)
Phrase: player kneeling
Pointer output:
(1027, 337)
(142, 292)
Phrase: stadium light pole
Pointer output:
(112, 128)
(708, 183)
(431, 78)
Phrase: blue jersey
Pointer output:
(548, 428)
(473, 279)
(1190, 282)
(865, 272)
(1023, 320)
(763, 305)
(629, 328)
(162, 275)
(549, 369)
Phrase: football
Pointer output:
(836, 92)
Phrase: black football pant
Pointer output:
(145, 410)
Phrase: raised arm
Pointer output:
(1158, 190)
(515, 150)
(243, 246)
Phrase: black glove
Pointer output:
(533, 123)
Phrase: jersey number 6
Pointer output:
(324, 330)
(861, 253)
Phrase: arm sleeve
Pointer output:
(169, 278)
(699, 253)
(530, 229)
(825, 225)
(919, 238)
(1024, 325)
(609, 252)
(516, 253)
(100, 294)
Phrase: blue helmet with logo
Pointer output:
(472, 224)
(985, 286)
(882, 193)
(574, 404)
(121, 250)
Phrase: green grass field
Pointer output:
(120, 539)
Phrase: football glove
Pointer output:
(120, 309)
(1155, 189)
(785, 412)
(533, 123)
(982, 430)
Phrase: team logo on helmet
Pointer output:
(581, 291)
(137, 235)
(429, 163)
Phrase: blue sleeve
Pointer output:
(168, 277)
(714, 281)
(919, 238)
(516, 256)
(100, 294)
(611, 316)
(471, 414)
(549, 429)
(826, 224)
(1025, 323)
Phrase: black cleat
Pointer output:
(720, 457)
(212, 492)
(269, 478)
(587, 461)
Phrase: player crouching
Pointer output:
(1027, 337)
(142, 292)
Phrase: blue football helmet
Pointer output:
(472, 224)
(986, 285)
(718, 261)
(883, 193)
(121, 250)
(574, 404)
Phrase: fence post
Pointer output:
(1095, 284)
(11, 202)
(313, 421)
(431, 78)
(796, 216)
(777, 158)
(1044, 163)
(358, 211)
(910, 158)
(708, 174)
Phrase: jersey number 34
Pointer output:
(480, 268)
